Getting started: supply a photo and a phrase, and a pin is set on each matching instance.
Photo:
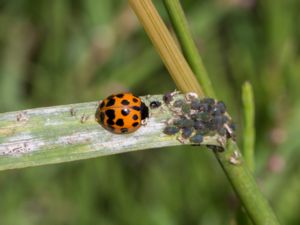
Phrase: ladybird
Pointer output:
(122, 113)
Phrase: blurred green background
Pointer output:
(62, 51)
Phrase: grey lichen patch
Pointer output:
(19, 148)
(76, 138)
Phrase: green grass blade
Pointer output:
(249, 130)
(69, 132)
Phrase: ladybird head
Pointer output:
(144, 111)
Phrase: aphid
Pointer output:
(195, 104)
(184, 122)
(199, 125)
(204, 107)
(155, 104)
(203, 131)
(187, 132)
(171, 130)
(168, 97)
(217, 121)
(197, 139)
(122, 113)
(209, 101)
(178, 103)
(211, 125)
(204, 116)
(221, 106)
(216, 111)
(186, 108)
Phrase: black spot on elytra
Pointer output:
(110, 102)
(102, 115)
(120, 95)
(124, 130)
(125, 102)
(102, 104)
(125, 112)
(120, 122)
(135, 117)
(137, 108)
(135, 100)
(145, 111)
(110, 122)
(110, 114)
(135, 124)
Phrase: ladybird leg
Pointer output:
(144, 121)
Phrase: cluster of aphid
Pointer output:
(195, 118)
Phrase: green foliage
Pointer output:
(61, 52)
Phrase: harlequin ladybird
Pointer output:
(122, 113)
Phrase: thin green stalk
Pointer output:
(249, 130)
(245, 186)
(231, 161)
(189, 47)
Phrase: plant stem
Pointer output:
(245, 186)
(231, 161)
(189, 47)
(249, 130)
